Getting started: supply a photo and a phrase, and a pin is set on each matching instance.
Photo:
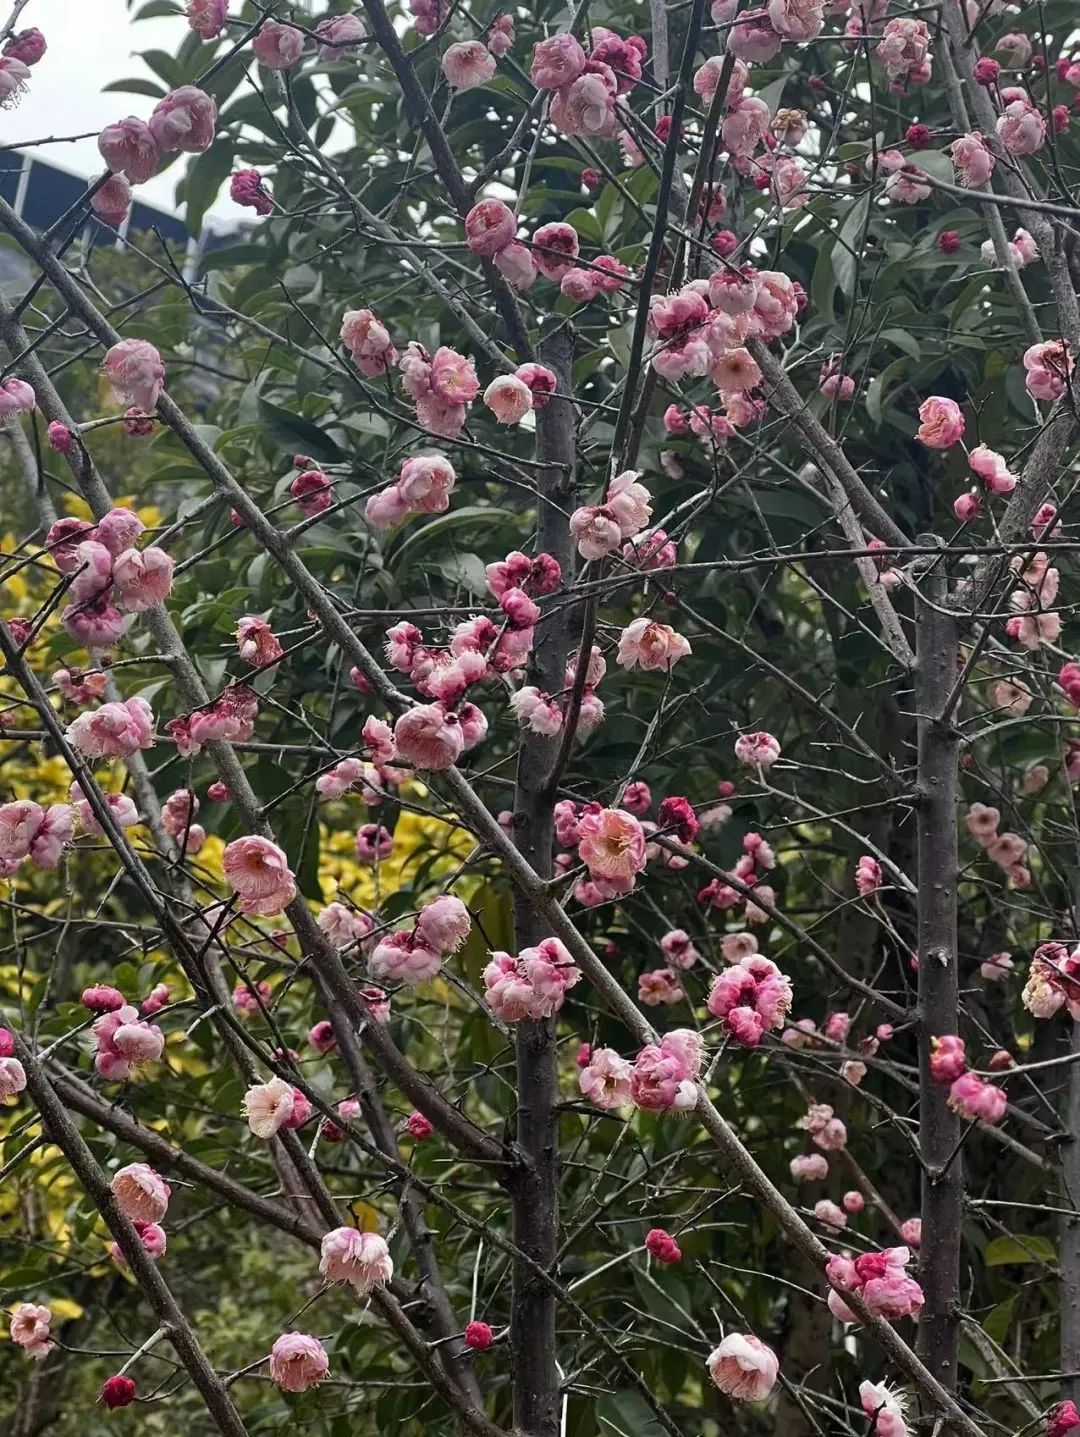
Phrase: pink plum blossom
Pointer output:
(297, 1362)
(141, 1193)
(361, 1259)
(744, 1367)
(258, 872)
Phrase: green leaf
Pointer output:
(203, 182)
(999, 1322)
(627, 1414)
(849, 246)
(296, 434)
(135, 87)
(483, 518)
(1005, 1250)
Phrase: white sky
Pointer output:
(91, 43)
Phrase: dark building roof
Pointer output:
(41, 192)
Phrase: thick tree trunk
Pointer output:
(535, 1193)
(939, 1128)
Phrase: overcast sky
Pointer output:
(91, 43)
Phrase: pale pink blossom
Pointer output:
(207, 17)
(650, 646)
(141, 1193)
(508, 398)
(973, 1097)
(426, 482)
(904, 47)
(536, 711)
(444, 924)
(297, 1362)
(142, 578)
(185, 120)
(268, 1106)
(752, 37)
(605, 1079)
(30, 1328)
(992, 469)
(867, 876)
(468, 64)
(115, 730)
(1022, 127)
(12, 1077)
(759, 749)
(135, 373)
(278, 46)
(368, 341)
(490, 227)
(664, 1076)
(677, 946)
(112, 202)
(361, 1259)
(339, 37)
(996, 967)
(659, 986)
(880, 1279)
(611, 844)
(596, 531)
(797, 19)
(555, 248)
(1048, 369)
(404, 957)
(974, 161)
(556, 62)
(517, 266)
(256, 643)
(885, 1407)
(14, 77)
(344, 926)
(128, 148)
(427, 737)
(531, 985)
(809, 1167)
(258, 872)
(118, 530)
(153, 1238)
(744, 1367)
(373, 842)
(752, 997)
(941, 423)
(587, 106)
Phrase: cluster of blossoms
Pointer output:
(230, 718)
(751, 998)
(20, 53)
(969, 1095)
(1053, 981)
(107, 576)
(125, 1040)
(531, 984)
(415, 955)
(879, 1279)
(662, 1078)
(1007, 850)
(554, 252)
(587, 88)
(743, 884)
(184, 120)
(29, 831)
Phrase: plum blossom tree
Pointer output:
(599, 545)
